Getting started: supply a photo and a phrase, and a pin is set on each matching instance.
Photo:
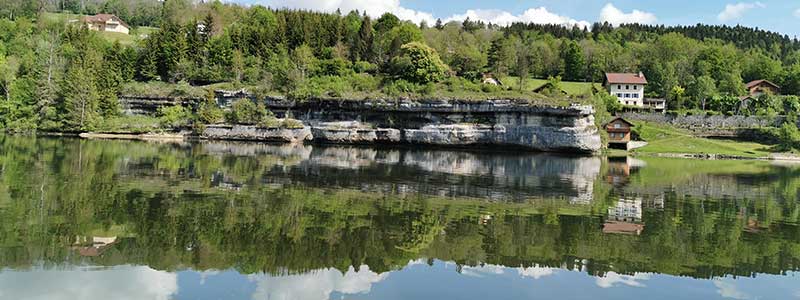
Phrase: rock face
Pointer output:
(253, 133)
(447, 123)
(493, 123)
(353, 133)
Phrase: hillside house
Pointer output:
(757, 88)
(619, 133)
(627, 87)
(106, 22)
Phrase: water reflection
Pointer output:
(311, 222)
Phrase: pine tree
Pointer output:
(365, 41)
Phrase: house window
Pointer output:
(619, 95)
(617, 125)
(619, 87)
(636, 87)
(627, 87)
(627, 95)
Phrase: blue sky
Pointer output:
(776, 15)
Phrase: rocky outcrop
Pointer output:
(254, 133)
(447, 123)
(353, 133)
(491, 123)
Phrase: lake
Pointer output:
(91, 219)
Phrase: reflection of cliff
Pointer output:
(496, 177)
(448, 173)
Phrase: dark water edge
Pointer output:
(227, 220)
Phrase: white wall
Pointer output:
(634, 91)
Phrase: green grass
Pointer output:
(666, 139)
(572, 88)
(136, 34)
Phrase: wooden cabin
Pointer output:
(619, 133)
(760, 87)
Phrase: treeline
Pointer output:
(310, 54)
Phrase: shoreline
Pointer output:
(187, 136)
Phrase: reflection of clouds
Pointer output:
(481, 271)
(728, 290)
(612, 278)
(119, 283)
(534, 272)
(316, 285)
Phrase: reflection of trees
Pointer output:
(162, 204)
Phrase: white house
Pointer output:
(627, 87)
(106, 22)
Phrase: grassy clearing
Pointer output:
(666, 139)
(135, 35)
(572, 88)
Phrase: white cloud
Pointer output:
(612, 278)
(797, 13)
(729, 290)
(318, 284)
(614, 16)
(123, 282)
(736, 11)
(374, 8)
(538, 15)
(534, 272)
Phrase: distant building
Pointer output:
(106, 22)
(627, 87)
(757, 88)
(619, 133)
(97, 247)
(625, 218)
(489, 78)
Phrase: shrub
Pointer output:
(292, 124)
(419, 63)
(173, 116)
(209, 112)
(269, 122)
(365, 67)
(246, 112)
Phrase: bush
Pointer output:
(292, 124)
(419, 63)
(245, 112)
(209, 112)
(365, 67)
(789, 135)
(173, 116)
(363, 82)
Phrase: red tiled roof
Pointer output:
(753, 83)
(629, 78)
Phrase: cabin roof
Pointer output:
(620, 119)
(755, 83)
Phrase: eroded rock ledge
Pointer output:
(497, 123)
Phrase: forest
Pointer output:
(58, 76)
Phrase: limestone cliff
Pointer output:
(447, 123)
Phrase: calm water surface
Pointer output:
(134, 220)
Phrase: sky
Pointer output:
(781, 16)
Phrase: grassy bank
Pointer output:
(666, 139)
(360, 87)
